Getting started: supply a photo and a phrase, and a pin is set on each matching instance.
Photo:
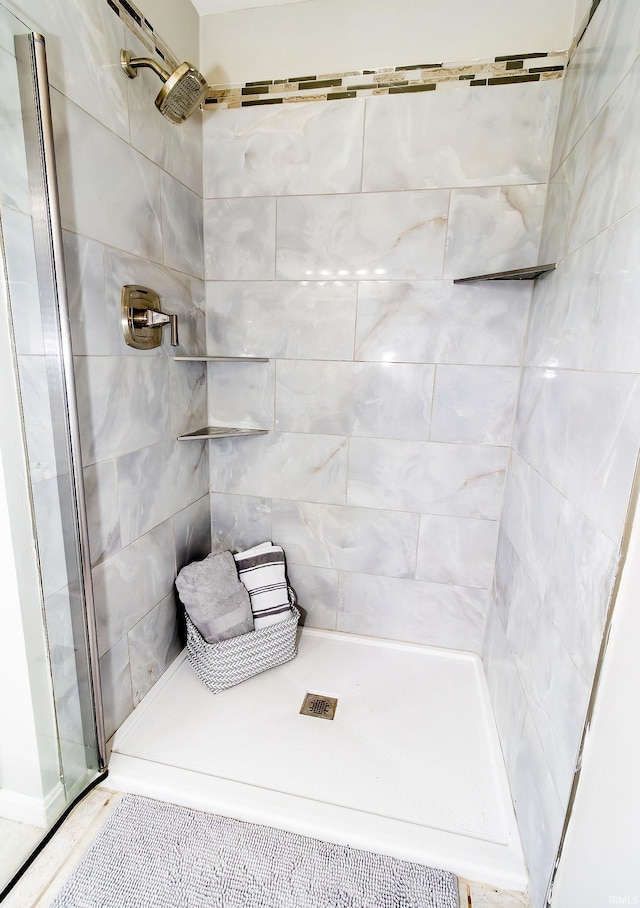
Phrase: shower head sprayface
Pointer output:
(183, 91)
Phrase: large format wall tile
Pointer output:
(553, 241)
(460, 138)
(284, 149)
(611, 293)
(601, 171)
(582, 431)
(182, 238)
(582, 572)
(101, 490)
(437, 322)
(241, 394)
(146, 566)
(192, 527)
(602, 59)
(95, 329)
(386, 235)
(474, 404)
(456, 480)
(282, 465)
(122, 404)
(348, 539)
(83, 57)
(562, 314)
(556, 694)
(284, 319)
(457, 550)
(318, 597)
(108, 190)
(494, 229)
(238, 521)
(577, 432)
(431, 613)
(354, 390)
(539, 810)
(188, 396)
(505, 688)
(157, 481)
(153, 645)
(240, 239)
(385, 400)
(530, 518)
(115, 675)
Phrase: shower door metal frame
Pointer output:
(47, 229)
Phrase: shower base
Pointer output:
(410, 766)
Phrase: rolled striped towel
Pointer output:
(263, 572)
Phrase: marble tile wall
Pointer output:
(576, 439)
(131, 198)
(332, 231)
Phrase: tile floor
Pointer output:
(18, 840)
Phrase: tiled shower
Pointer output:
(416, 427)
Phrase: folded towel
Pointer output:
(215, 598)
(262, 570)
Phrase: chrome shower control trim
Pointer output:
(143, 319)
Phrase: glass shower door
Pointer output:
(51, 734)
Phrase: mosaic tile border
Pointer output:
(389, 80)
(533, 67)
(143, 30)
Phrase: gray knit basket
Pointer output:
(225, 664)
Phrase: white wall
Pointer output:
(326, 36)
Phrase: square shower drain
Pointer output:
(319, 706)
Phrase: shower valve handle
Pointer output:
(156, 318)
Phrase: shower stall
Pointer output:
(448, 466)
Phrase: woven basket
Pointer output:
(222, 665)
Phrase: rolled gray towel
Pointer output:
(215, 598)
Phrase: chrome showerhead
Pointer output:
(183, 91)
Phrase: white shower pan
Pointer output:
(410, 766)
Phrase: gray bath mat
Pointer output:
(155, 855)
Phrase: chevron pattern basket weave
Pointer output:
(222, 665)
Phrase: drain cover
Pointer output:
(319, 706)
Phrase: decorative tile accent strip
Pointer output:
(504, 70)
(143, 30)
(390, 80)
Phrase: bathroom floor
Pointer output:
(44, 879)
(18, 839)
(410, 765)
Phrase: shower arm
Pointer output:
(132, 64)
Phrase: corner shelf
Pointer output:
(518, 274)
(221, 359)
(219, 432)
